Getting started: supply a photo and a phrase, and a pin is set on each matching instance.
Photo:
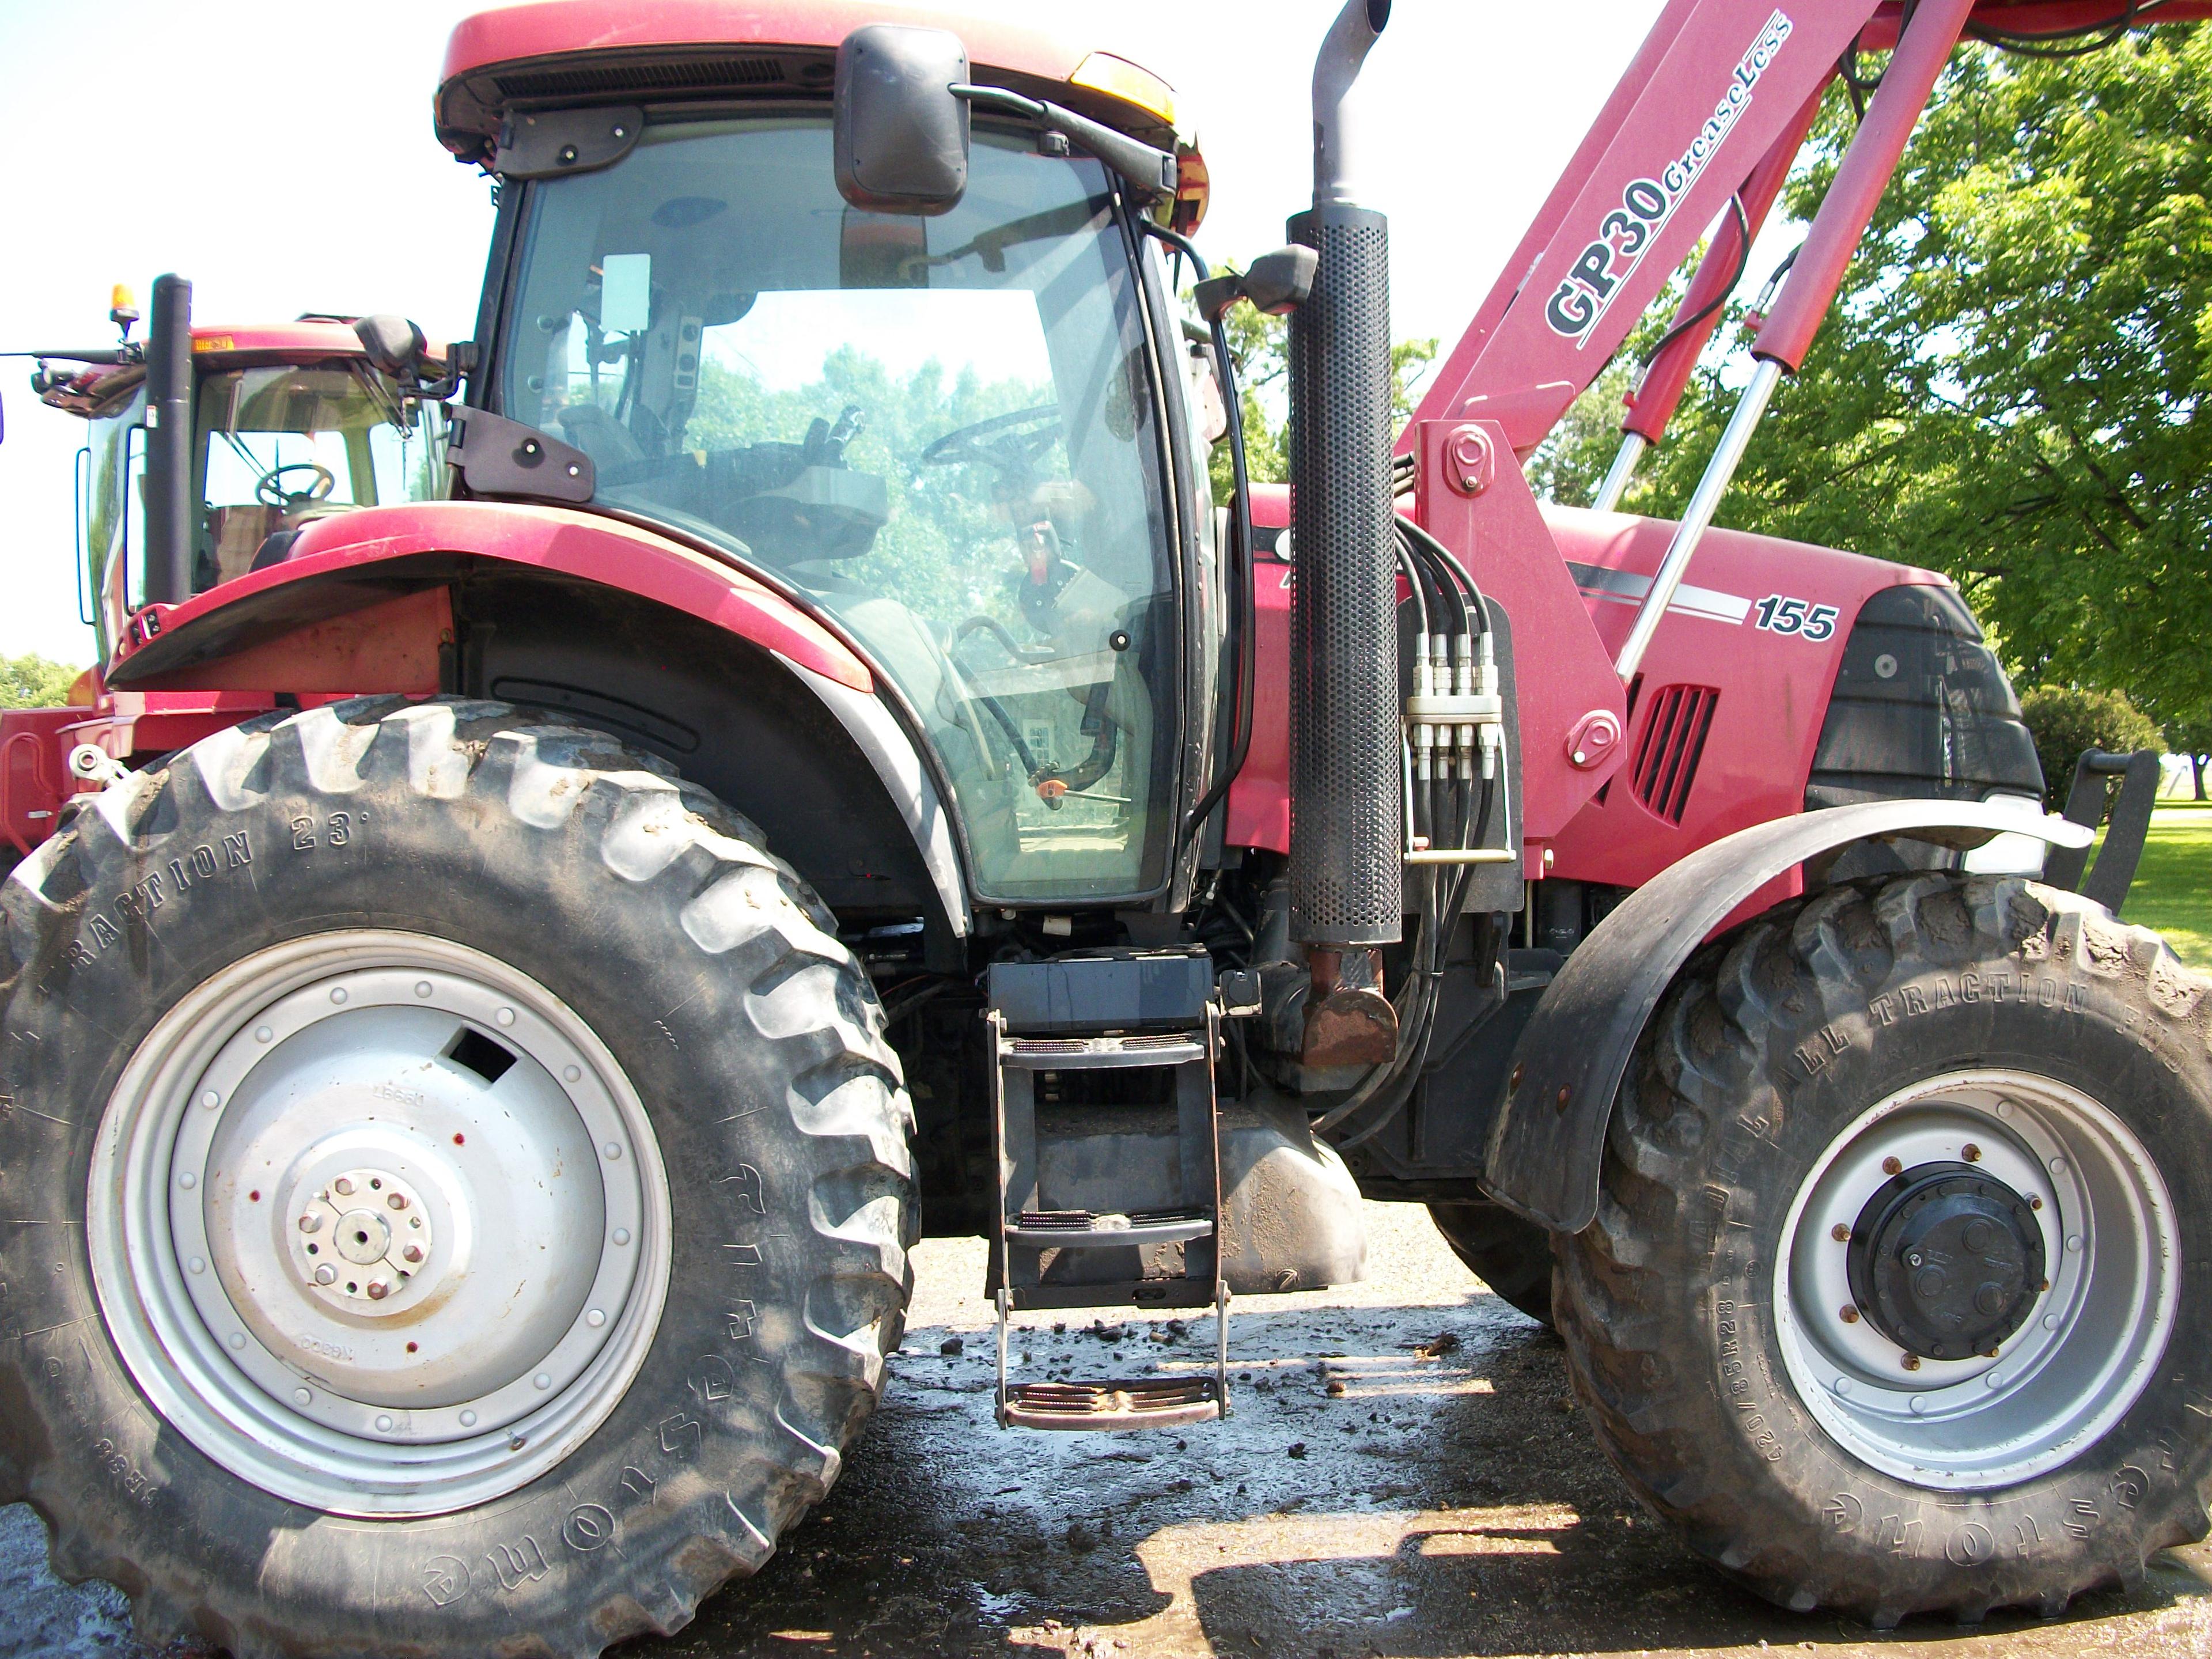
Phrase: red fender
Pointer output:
(351, 609)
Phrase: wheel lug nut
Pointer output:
(343, 1184)
(311, 1223)
(1890, 1166)
(1972, 1152)
(378, 1290)
(1850, 1315)
(412, 1253)
(326, 1274)
(1840, 1233)
(398, 1201)
(1912, 1362)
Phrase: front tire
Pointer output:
(1509, 1254)
(1893, 1301)
(457, 1189)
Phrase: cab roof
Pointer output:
(309, 336)
(557, 52)
(99, 389)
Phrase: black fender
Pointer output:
(1546, 1146)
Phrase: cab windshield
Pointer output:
(281, 446)
(943, 430)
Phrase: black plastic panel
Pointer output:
(1124, 991)
(1921, 710)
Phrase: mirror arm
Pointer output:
(1151, 172)
(460, 361)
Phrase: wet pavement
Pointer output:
(1405, 1474)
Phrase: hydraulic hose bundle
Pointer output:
(1455, 777)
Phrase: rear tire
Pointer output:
(1510, 1255)
(373, 914)
(1985, 1036)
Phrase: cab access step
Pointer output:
(1078, 1044)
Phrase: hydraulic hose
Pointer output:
(1242, 611)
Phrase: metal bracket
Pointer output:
(557, 141)
(495, 456)
(2115, 872)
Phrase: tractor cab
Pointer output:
(946, 427)
(946, 432)
(290, 423)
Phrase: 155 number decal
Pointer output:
(1779, 614)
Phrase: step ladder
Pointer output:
(1155, 1012)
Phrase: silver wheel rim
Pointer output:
(377, 1224)
(2091, 1340)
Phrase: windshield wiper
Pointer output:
(1150, 172)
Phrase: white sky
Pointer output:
(280, 155)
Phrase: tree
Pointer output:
(2009, 387)
(35, 682)
(2067, 720)
(1571, 462)
(1260, 346)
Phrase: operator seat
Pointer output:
(599, 434)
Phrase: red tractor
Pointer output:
(830, 774)
(290, 422)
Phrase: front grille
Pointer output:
(1673, 739)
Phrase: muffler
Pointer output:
(1346, 894)
(170, 515)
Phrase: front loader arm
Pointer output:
(1715, 84)
(1717, 100)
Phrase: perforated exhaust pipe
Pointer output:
(1346, 895)
(168, 478)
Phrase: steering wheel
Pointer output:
(270, 492)
(1013, 444)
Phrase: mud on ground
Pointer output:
(1406, 1474)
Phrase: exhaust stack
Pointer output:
(169, 556)
(1346, 894)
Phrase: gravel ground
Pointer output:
(1405, 1474)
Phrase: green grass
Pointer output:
(2173, 883)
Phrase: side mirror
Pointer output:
(900, 136)
(1278, 284)
(394, 346)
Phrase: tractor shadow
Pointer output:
(1409, 1481)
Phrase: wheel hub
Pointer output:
(1946, 1261)
(379, 1223)
(364, 1242)
(1976, 1277)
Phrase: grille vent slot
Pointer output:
(1673, 739)
(675, 74)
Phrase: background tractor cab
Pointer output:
(290, 422)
